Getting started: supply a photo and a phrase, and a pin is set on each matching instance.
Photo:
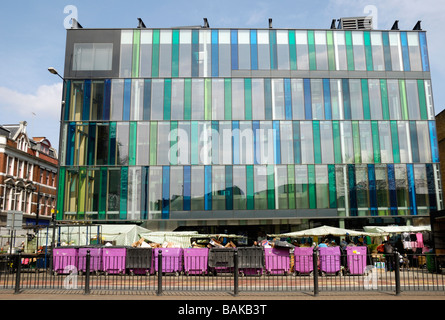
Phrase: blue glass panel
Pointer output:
(215, 52)
(147, 100)
(107, 99)
(67, 100)
(208, 188)
(165, 192)
(71, 134)
(235, 142)
(187, 188)
(256, 142)
(386, 51)
(327, 99)
(276, 144)
(253, 50)
(127, 100)
(86, 100)
(144, 193)
(234, 48)
(414, 142)
(372, 190)
(434, 142)
(287, 99)
(405, 51)
(411, 189)
(307, 99)
(424, 51)
(297, 141)
(352, 190)
(346, 99)
(229, 188)
(123, 194)
(268, 99)
(431, 186)
(273, 49)
(392, 189)
(91, 143)
(195, 53)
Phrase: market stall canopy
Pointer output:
(181, 238)
(396, 229)
(323, 231)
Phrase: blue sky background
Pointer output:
(32, 38)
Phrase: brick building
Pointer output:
(28, 175)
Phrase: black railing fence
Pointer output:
(229, 270)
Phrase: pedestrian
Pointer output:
(388, 251)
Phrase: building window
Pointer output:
(92, 56)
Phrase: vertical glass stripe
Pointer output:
(112, 144)
(287, 99)
(276, 146)
(155, 54)
(187, 188)
(273, 49)
(405, 51)
(307, 99)
(332, 187)
(297, 142)
(208, 99)
(349, 50)
(424, 51)
(434, 142)
(414, 141)
(403, 101)
(376, 141)
(187, 99)
(215, 53)
(133, 144)
(91, 143)
(392, 189)
(144, 193)
(175, 53)
(250, 188)
(395, 142)
(312, 186)
(356, 142)
(228, 99)
(71, 135)
(165, 192)
(153, 142)
(147, 100)
(253, 50)
(368, 50)
(229, 188)
(194, 143)
(337, 141)
(270, 187)
(352, 190)
(291, 186)
(422, 100)
(248, 98)
(365, 97)
(127, 100)
(234, 48)
(136, 48)
(311, 47)
(195, 53)
(207, 187)
(346, 99)
(386, 51)
(327, 99)
(385, 102)
(123, 194)
(107, 99)
(167, 98)
(256, 142)
(60, 193)
(67, 99)
(103, 192)
(317, 141)
(86, 100)
(268, 98)
(292, 50)
(173, 136)
(235, 142)
(431, 186)
(331, 50)
(372, 190)
(411, 189)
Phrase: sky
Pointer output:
(33, 34)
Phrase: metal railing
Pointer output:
(159, 273)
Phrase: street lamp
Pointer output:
(54, 71)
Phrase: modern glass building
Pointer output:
(237, 128)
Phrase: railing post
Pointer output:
(87, 272)
(18, 272)
(159, 291)
(315, 265)
(397, 271)
(236, 273)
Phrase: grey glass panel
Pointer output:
(239, 188)
(198, 99)
(224, 55)
(218, 188)
(260, 187)
(327, 143)
(165, 53)
(321, 50)
(396, 51)
(177, 99)
(281, 187)
(258, 99)
(117, 98)
(204, 142)
(143, 147)
(155, 192)
(225, 142)
(421, 184)
(197, 188)
(297, 99)
(244, 49)
(322, 186)
(355, 90)
(134, 191)
(347, 145)
(375, 100)
(266, 142)
(183, 145)
(341, 182)
(146, 50)
(301, 187)
(302, 50)
(414, 51)
(163, 147)
(185, 53)
(423, 139)
(137, 99)
(283, 50)
(126, 53)
(122, 142)
(395, 112)
(205, 53)
(286, 140)
(359, 50)
(377, 51)
(362, 189)
(176, 188)
(385, 142)
(307, 142)
(278, 99)
(113, 199)
(218, 99)
(92, 56)
(245, 142)
(238, 99)
(404, 141)
(336, 99)
(412, 98)
(263, 50)
(341, 61)
(317, 99)
(366, 142)
(157, 99)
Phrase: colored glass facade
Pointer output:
(236, 124)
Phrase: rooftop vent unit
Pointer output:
(359, 23)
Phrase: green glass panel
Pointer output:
(356, 141)
(136, 50)
(248, 98)
(175, 53)
(312, 186)
(332, 187)
(311, 46)
(349, 50)
(395, 142)
(270, 187)
(133, 143)
(368, 50)
(385, 102)
(123, 194)
(227, 99)
(103, 193)
(376, 141)
(331, 51)
(365, 97)
(112, 144)
(153, 142)
(155, 55)
(250, 188)
(337, 141)
(208, 99)
(194, 143)
(60, 193)
(422, 100)
(167, 98)
(173, 141)
(403, 101)
(291, 186)
(317, 141)
(292, 50)
(187, 99)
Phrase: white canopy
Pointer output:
(396, 229)
(323, 231)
